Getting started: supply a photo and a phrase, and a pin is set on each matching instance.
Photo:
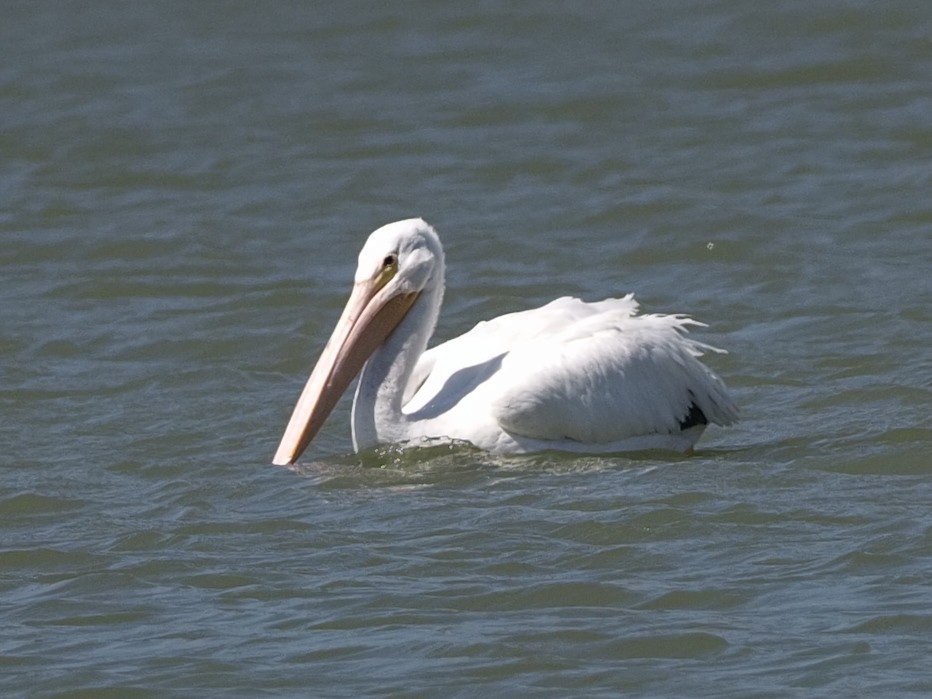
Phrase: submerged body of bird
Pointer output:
(571, 376)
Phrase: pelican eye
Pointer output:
(387, 271)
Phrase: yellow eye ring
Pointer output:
(387, 272)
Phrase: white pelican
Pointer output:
(570, 376)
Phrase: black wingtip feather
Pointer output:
(694, 417)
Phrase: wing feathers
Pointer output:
(637, 377)
(589, 372)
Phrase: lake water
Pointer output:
(183, 190)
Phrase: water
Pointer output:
(184, 188)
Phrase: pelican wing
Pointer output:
(604, 381)
(588, 372)
(500, 336)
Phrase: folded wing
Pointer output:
(589, 372)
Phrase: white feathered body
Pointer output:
(571, 375)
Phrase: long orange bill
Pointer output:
(368, 319)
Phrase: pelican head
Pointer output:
(398, 262)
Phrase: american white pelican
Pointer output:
(570, 376)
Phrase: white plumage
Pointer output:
(570, 375)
